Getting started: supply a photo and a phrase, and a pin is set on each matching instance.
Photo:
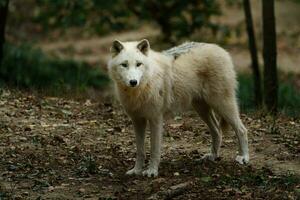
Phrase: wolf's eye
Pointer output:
(139, 64)
(124, 65)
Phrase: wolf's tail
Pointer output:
(224, 126)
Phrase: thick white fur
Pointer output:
(202, 76)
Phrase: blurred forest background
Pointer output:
(61, 46)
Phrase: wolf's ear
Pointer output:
(116, 48)
(144, 46)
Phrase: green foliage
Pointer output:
(3, 2)
(176, 18)
(26, 67)
(288, 96)
(245, 92)
(100, 15)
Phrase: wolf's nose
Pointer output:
(133, 82)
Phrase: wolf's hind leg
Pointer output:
(156, 128)
(228, 110)
(209, 118)
(139, 129)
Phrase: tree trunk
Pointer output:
(3, 16)
(270, 55)
(253, 52)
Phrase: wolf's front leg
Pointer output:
(156, 127)
(139, 129)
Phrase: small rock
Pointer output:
(66, 112)
(23, 139)
(88, 103)
(50, 188)
(25, 193)
(110, 130)
(177, 118)
(176, 125)
(81, 190)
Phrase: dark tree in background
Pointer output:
(270, 55)
(3, 16)
(176, 18)
(253, 52)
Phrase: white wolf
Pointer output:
(150, 84)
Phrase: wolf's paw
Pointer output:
(242, 159)
(150, 172)
(209, 156)
(134, 171)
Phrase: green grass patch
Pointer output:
(26, 67)
(288, 96)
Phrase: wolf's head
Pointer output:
(129, 62)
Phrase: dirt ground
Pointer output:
(54, 148)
